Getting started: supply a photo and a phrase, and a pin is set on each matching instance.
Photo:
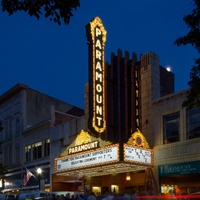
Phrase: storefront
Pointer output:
(91, 164)
(181, 177)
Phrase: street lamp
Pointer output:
(39, 171)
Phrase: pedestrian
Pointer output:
(172, 195)
(53, 197)
(92, 196)
(81, 197)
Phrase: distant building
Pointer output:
(28, 119)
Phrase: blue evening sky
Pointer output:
(53, 59)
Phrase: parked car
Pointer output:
(32, 195)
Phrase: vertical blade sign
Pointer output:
(97, 79)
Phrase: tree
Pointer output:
(193, 97)
(56, 10)
(193, 37)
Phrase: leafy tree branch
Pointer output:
(57, 11)
(193, 37)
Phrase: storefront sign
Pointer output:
(97, 38)
(106, 155)
(137, 155)
(83, 147)
(98, 80)
(180, 168)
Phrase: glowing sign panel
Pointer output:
(100, 156)
(98, 80)
(97, 37)
(138, 155)
(83, 147)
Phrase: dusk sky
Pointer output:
(53, 59)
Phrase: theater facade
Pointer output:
(137, 135)
(134, 135)
(104, 159)
(92, 164)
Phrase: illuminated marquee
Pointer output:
(98, 34)
(138, 155)
(100, 156)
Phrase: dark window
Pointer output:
(37, 150)
(193, 123)
(17, 126)
(47, 147)
(17, 155)
(28, 153)
(171, 125)
(8, 158)
(6, 130)
(10, 128)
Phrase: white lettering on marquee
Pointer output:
(98, 31)
(98, 44)
(98, 96)
(83, 147)
(98, 66)
(100, 156)
(99, 119)
(99, 88)
(98, 54)
(99, 77)
(97, 38)
(138, 155)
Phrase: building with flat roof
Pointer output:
(27, 119)
(133, 135)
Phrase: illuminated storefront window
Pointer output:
(114, 188)
(96, 190)
(165, 189)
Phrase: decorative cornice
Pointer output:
(83, 138)
(37, 128)
(169, 97)
(137, 139)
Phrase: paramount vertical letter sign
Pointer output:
(96, 35)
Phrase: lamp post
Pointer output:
(39, 171)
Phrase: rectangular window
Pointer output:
(47, 147)
(6, 130)
(193, 123)
(28, 153)
(17, 155)
(37, 150)
(171, 128)
(8, 156)
(17, 126)
(10, 129)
